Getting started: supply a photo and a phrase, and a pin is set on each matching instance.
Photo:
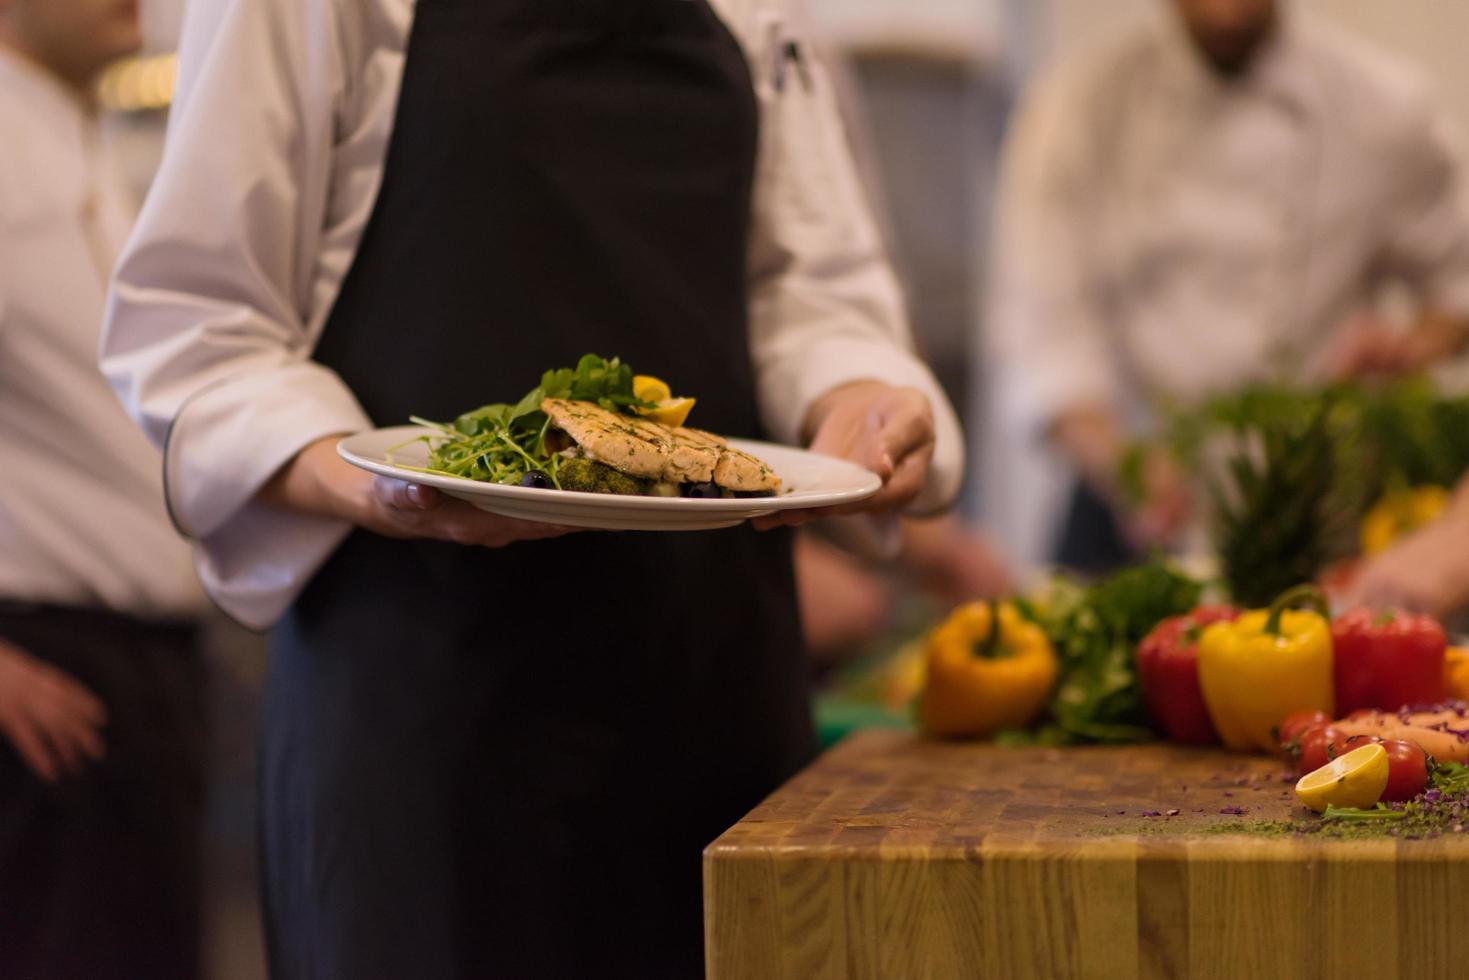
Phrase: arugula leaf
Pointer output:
(500, 443)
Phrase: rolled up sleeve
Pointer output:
(826, 309)
(206, 340)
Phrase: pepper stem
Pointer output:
(989, 647)
(1300, 595)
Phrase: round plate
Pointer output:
(810, 480)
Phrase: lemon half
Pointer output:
(666, 409)
(672, 412)
(647, 388)
(1356, 779)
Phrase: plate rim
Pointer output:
(442, 481)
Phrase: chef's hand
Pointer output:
(319, 482)
(952, 561)
(1426, 572)
(1373, 348)
(888, 430)
(52, 720)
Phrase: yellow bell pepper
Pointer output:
(1265, 665)
(988, 669)
(1456, 673)
(1398, 513)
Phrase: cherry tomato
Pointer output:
(1407, 770)
(1319, 745)
(1295, 725)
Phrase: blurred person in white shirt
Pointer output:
(1213, 198)
(99, 680)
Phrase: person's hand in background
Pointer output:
(1159, 517)
(1425, 572)
(1370, 347)
(319, 482)
(54, 723)
(1155, 511)
(888, 430)
(952, 561)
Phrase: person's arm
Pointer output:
(1428, 571)
(1425, 244)
(834, 358)
(952, 561)
(219, 298)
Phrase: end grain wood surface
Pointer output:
(893, 857)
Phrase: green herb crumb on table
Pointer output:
(1441, 810)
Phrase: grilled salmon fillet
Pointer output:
(743, 473)
(692, 459)
(626, 444)
(652, 451)
(735, 470)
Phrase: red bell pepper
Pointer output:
(1387, 662)
(1168, 668)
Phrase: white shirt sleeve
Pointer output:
(1046, 323)
(1426, 242)
(825, 307)
(206, 340)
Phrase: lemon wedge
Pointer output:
(672, 412)
(1356, 779)
(647, 388)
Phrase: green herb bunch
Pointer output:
(501, 443)
(1096, 631)
(1315, 460)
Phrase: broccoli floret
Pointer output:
(589, 476)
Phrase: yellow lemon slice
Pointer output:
(650, 389)
(1355, 779)
(670, 411)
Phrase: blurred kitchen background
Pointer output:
(929, 85)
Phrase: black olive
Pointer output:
(537, 480)
(754, 494)
(702, 491)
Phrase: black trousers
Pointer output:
(100, 873)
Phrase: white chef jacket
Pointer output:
(274, 156)
(82, 521)
(1161, 233)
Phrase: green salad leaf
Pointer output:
(501, 443)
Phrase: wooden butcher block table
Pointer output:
(893, 857)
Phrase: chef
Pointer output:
(490, 749)
(101, 682)
(1215, 197)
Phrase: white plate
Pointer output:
(809, 480)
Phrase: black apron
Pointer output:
(485, 763)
